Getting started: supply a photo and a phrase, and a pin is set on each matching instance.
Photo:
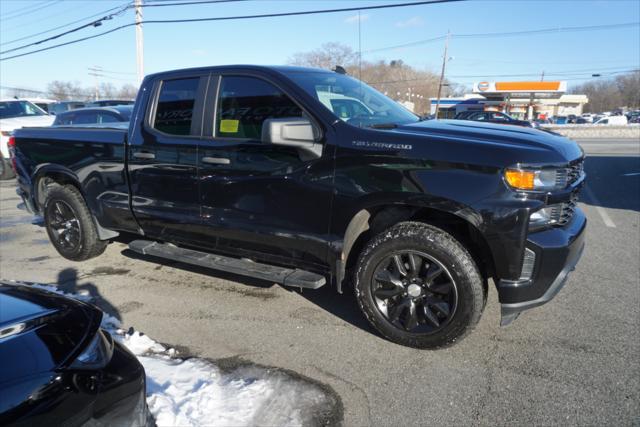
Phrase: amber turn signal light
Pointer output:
(522, 180)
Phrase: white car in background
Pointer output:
(15, 114)
(612, 120)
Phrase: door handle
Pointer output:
(142, 155)
(216, 160)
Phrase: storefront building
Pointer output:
(522, 100)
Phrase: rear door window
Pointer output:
(174, 110)
(246, 102)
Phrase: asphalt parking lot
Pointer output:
(574, 361)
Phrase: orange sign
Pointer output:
(527, 86)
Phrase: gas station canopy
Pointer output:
(520, 88)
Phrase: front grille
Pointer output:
(574, 171)
(562, 213)
(569, 175)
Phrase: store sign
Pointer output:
(483, 86)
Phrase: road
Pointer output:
(574, 361)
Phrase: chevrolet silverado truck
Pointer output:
(307, 178)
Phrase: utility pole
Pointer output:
(444, 64)
(95, 72)
(542, 76)
(139, 42)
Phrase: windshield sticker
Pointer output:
(229, 126)
(383, 145)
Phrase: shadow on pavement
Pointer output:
(615, 182)
(327, 298)
(68, 282)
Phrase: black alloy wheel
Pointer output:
(414, 292)
(64, 224)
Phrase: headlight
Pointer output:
(537, 180)
(97, 354)
(541, 217)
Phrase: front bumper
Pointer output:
(557, 251)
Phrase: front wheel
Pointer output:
(418, 286)
(70, 225)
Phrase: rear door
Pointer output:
(261, 199)
(163, 159)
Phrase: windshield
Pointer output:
(11, 109)
(352, 101)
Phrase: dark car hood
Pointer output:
(541, 146)
(40, 331)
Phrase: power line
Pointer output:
(585, 74)
(510, 34)
(26, 12)
(222, 18)
(64, 25)
(24, 8)
(189, 2)
(96, 23)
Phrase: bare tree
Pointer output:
(326, 56)
(107, 90)
(611, 94)
(394, 78)
(66, 90)
(127, 91)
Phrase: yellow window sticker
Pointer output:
(229, 126)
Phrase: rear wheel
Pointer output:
(418, 286)
(70, 225)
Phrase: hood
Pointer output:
(40, 331)
(28, 121)
(507, 141)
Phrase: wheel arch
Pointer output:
(463, 224)
(63, 176)
(55, 173)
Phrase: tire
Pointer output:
(70, 225)
(6, 171)
(438, 299)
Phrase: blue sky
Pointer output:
(274, 40)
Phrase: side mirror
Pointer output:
(293, 132)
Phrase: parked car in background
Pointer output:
(109, 102)
(633, 116)
(262, 178)
(43, 103)
(84, 116)
(588, 117)
(491, 117)
(537, 122)
(14, 114)
(612, 120)
(60, 368)
(62, 106)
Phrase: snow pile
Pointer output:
(196, 392)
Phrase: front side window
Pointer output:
(174, 110)
(351, 100)
(246, 102)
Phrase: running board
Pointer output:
(285, 276)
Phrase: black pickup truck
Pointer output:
(309, 177)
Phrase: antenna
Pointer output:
(444, 64)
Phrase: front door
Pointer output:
(258, 198)
(163, 161)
